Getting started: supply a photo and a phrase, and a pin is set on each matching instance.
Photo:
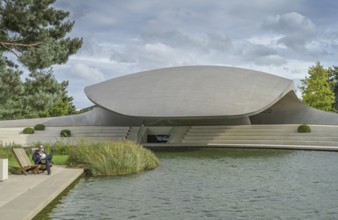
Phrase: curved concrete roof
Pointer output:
(190, 91)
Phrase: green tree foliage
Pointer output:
(316, 89)
(64, 103)
(11, 89)
(333, 77)
(42, 90)
(33, 35)
(59, 108)
(36, 33)
(39, 96)
(67, 99)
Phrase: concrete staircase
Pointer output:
(52, 134)
(261, 135)
(132, 133)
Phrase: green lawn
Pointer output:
(57, 160)
(60, 159)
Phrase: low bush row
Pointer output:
(42, 127)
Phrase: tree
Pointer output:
(36, 33)
(41, 90)
(64, 104)
(11, 89)
(39, 96)
(333, 77)
(33, 35)
(316, 89)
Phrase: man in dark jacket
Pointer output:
(41, 157)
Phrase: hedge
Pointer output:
(28, 131)
(304, 129)
(39, 127)
(65, 133)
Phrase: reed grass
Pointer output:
(112, 158)
(6, 151)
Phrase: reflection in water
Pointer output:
(213, 184)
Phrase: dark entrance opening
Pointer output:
(160, 138)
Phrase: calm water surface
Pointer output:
(213, 184)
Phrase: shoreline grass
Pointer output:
(112, 158)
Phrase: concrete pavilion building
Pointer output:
(195, 105)
(203, 95)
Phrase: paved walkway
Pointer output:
(22, 197)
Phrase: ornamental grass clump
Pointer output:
(112, 158)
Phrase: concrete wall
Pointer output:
(290, 110)
(102, 117)
(97, 116)
(51, 135)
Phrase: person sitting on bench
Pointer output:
(41, 157)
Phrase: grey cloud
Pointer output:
(171, 47)
(330, 40)
(260, 50)
(274, 60)
(90, 46)
(201, 42)
(77, 10)
(170, 37)
(88, 73)
(295, 41)
(296, 29)
(156, 55)
(219, 42)
(290, 22)
(261, 55)
(334, 44)
(127, 56)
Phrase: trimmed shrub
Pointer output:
(39, 127)
(304, 129)
(28, 131)
(65, 133)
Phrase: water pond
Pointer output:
(212, 184)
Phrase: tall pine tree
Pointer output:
(35, 33)
(41, 95)
(316, 89)
(33, 36)
(11, 91)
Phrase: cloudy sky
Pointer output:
(281, 37)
